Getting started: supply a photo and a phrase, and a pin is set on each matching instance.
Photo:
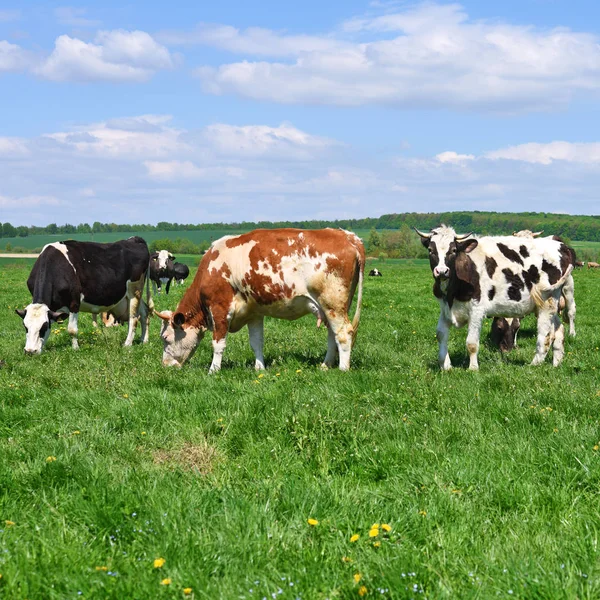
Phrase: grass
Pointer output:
(489, 481)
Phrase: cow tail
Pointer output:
(149, 301)
(540, 293)
(361, 275)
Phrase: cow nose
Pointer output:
(441, 272)
(31, 352)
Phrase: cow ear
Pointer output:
(465, 268)
(21, 312)
(57, 317)
(178, 319)
(467, 245)
(172, 257)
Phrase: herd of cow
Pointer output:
(289, 273)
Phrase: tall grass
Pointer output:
(489, 481)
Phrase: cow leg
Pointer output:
(442, 333)
(218, 349)
(545, 334)
(473, 335)
(72, 329)
(570, 308)
(332, 350)
(256, 334)
(342, 332)
(558, 346)
(144, 321)
(95, 319)
(135, 299)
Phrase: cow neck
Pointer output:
(451, 292)
(191, 306)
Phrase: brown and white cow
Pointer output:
(593, 265)
(489, 276)
(281, 273)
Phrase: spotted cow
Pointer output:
(72, 277)
(281, 273)
(161, 270)
(475, 278)
(375, 273)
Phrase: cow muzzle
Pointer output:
(33, 351)
(169, 361)
(441, 272)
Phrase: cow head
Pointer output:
(444, 248)
(163, 261)
(37, 319)
(527, 233)
(504, 332)
(180, 338)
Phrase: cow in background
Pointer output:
(593, 265)
(527, 233)
(375, 273)
(161, 270)
(504, 332)
(475, 278)
(180, 272)
(72, 277)
(281, 273)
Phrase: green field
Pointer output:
(489, 481)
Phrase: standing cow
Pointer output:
(506, 276)
(180, 272)
(281, 273)
(161, 270)
(72, 277)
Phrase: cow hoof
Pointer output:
(324, 367)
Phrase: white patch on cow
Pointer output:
(301, 236)
(162, 259)
(179, 345)
(237, 259)
(36, 315)
(62, 248)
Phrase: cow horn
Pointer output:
(538, 233)
(165, 316)
(423, 235)
(460, 238)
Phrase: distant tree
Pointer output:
(22, 231)
(52, 229)
(374, 240)
(8, 230)
(84, 228)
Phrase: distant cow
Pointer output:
(579, 264)
(72, 277)
(161, 270)
(593, 265)
(527, 233)
(375, 273)
(281, 273)
(497, 276)
(180, 272)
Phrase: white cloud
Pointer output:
(12, 146)
(7, 202)
(545, 154)
(454, 158)
(75, 17)
(426, 56)
(12, 57)
(119, 56)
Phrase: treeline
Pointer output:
(573, 227)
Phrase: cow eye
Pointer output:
(43, 329)
(453, 250)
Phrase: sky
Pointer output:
(198, 112)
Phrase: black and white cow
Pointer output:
(72, 277)
(504, 276)
(180, 272)
(161, 270)
(375, 273)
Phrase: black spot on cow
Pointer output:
(531, 276)
(523, 251)
(553, 272)
(511, 254)
(490, 266)
(515, 285)
(433, 253)
(491, 293)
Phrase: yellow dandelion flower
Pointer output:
(423, 513)
(373, 532)
(51, 459)
(187, 591)
(76, 432)
(362, 591)
(376, 544)
(357, 577)
(346, 559)
(555, 430)
(277, 374)
(595, 447)
(298, 370)
(312, 522)
(261, 375)
(386, 527)
(101, 568)
(159, 562)
(125, 395)
(166, 581)
(354, 538)
(9, 523)
(143, 433)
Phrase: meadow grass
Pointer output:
(489, 481)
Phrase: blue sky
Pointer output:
(205, 112)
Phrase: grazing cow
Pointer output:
(180, 272)
(579, 264)
(504, 332)
(161, 270)
(593, 265)
(281, 273)
(375, 273)
(497, 276)
(72, 277)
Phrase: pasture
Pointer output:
(489, 481)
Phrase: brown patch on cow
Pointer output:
(466, 271)
(554, 273)
(199, 458)
(511, 254)
(490, 266)
(567, 257)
